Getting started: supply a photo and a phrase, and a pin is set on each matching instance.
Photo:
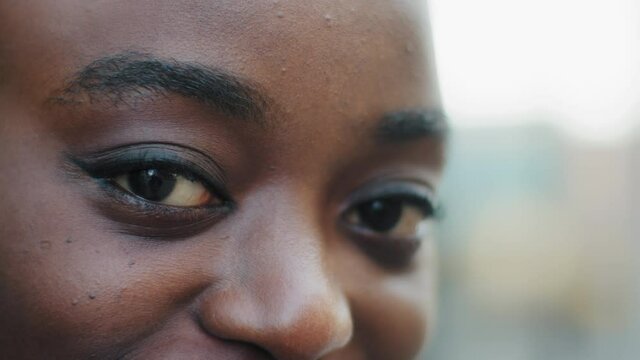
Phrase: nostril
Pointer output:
(280, 295)
(256, 351)
(296, 327)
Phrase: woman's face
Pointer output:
(216, 179)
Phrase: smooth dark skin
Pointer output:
(276, 277)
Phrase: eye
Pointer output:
(392, 216)
(166, 187)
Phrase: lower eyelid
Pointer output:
(138, 217)
(388, 252)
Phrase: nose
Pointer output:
(279, 295)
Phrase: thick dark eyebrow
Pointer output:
(132, 74)
(412, 124)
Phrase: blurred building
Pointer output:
(541, 230)
(538, 246)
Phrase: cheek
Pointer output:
(69, 283)
(392, 324)
(394, 328)
(73, 288)
(393, 313)
(49, 260)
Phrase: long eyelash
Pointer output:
(137, 216)
(388, 251)
(422, 202)
(139, 164)
(413, 194)
(181, 169)
(107, 165)
(114, 167)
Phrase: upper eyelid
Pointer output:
(379, 189)
(114, 161)
(177, 168)
(118, 154)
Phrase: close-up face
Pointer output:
(217, 179)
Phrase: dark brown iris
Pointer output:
(380, 215)
(152, 184)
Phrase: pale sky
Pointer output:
(575, 63)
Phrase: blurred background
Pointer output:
(542, 194)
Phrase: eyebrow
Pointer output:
(130, 74)
(412, 124)
(121, 76)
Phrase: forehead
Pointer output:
(321, 47)
(328, 66)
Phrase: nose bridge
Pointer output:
(282, 297)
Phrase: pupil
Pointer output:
(152, 184)
(381, 215)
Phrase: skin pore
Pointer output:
(217, 179)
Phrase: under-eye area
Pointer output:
(389, 220)
(156, 190)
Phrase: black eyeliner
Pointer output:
(110, 163)
(394, 253)
(142, 218)
(411, 192)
